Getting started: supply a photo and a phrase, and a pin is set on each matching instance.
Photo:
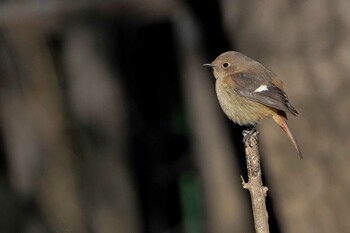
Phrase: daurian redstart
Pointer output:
(248, 92)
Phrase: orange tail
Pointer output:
(282, 122)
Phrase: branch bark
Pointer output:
(256, 189)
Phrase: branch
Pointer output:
(256, 189)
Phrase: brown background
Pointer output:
(110, 123)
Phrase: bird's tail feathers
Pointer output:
(282, 122)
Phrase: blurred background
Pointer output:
(110, 123)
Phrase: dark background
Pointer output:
(110, 123)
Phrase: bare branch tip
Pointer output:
(244, 184)
(265, 189)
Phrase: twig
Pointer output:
(256, 189)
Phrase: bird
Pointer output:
(248, 92)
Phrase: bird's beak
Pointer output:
(209, 64)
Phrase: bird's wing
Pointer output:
(262, 90)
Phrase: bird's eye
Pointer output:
(225, 65)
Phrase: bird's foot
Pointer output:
(247, 133)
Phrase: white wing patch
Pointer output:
(261, 88)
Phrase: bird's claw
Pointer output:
(247, 133)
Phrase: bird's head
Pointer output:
(227, 63)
